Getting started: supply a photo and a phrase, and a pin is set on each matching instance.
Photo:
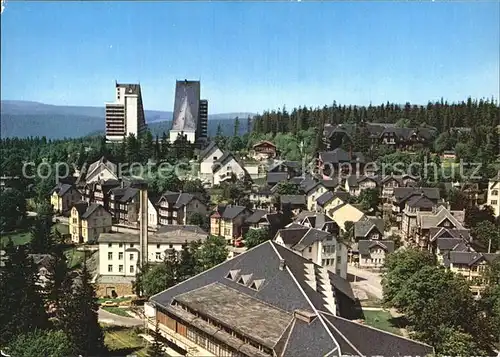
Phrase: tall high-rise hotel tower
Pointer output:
(125, 115)
(190, 112)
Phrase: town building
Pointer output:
(63, 196)
(87, 221)
(314, 189)
(372, 253)
(176, 208)
(338, 162)
(119, 254)
(226, 168)
(101, 170)
(207, 159)
(471, 265)
(343, 213)
(190, 117)
(264, 150)
(262, 198)
(264, 219)
(493, 196)
(390, 182)
(355, 184)
(125, 116)
(402, 194)
(331, 199)
(229, 222)
(268, 301)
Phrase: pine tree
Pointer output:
(155, 349)
(42, 238)
(21, 308)
(58, 273)
(78, 315)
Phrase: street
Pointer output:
(113, 319)
(371, 281)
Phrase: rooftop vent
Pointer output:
(233, 275)
(282, 264)
(257, 284)
(245, 279)
(304, 315)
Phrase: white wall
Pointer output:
(102, 173)
(206, 164)
(127, 259)
(230, 166)
(131, 115)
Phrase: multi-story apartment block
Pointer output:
(63, 196)
(229, 222)
(471, 265)
(119, 254)
(190, 113)
(493, 198)
(125, 116)
(176, 208)
(319, 246)
(87, 221)
(268, 301)
(124, 204)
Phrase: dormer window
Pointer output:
(245, 279)
(257, 284)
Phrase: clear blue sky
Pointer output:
(251, 56)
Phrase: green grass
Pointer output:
(24, 237)
(123, 341)
(116, 310)
(381, 320)
(118, 300)
(74, 257)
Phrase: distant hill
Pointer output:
(23, 118)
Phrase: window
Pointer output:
(110, 256)
(171, 246)
(339, 259)
(120, 245)
(131, 268)
(310, 249)
(131, 256)
(494, 193)
(494, 202)
(158, 256)
(158, 246)
(110, 268)
(120, 256)
(131, 245)
(120, 268)
(110, 245)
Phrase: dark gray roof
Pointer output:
(357, 339)
(125, 194)
(364, 246)
(207, 150)
(183, 199)
(420, 202)
(330, 195)
(81, 207)
(355, 180)
(468, 258)
(61, 189)
(293, 199)
(401, 194)
(90, 210)
(173, 234)
(231, 212)
(276, 177)
(286, 290)
(186, 105)
(455, 244)
(363, 227)
(438, 232)
(340, 155)
(312, 235)
(292, 235)
(256, 216)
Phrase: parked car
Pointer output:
(109, 303)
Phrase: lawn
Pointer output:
(123, 341)
(382, 320)
(117, 311)
(74, 257)
(24, 237)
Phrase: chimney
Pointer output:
(143, 226)
(282, 264)
(304, 315)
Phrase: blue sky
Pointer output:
(251, 56)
